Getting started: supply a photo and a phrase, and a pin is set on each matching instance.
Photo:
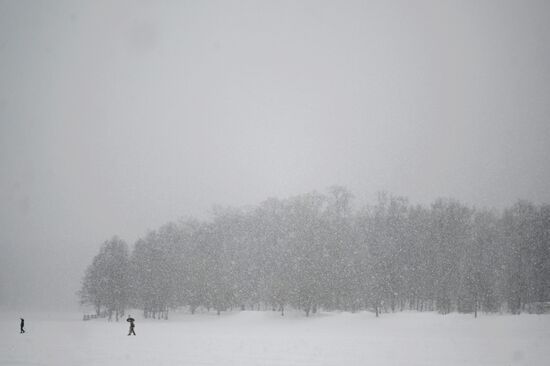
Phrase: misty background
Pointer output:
(117, 117)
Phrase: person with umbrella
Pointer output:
(132, 325)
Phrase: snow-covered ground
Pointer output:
(265, 338)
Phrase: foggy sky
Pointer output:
(117, 117)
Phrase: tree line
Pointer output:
(315, 251)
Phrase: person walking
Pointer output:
(22, 325)
(132, 325)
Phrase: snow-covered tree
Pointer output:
(106, 282)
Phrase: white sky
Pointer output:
(118, 116)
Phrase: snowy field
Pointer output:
(265, 338)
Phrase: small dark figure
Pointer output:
(132, 325)
(22, 325)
